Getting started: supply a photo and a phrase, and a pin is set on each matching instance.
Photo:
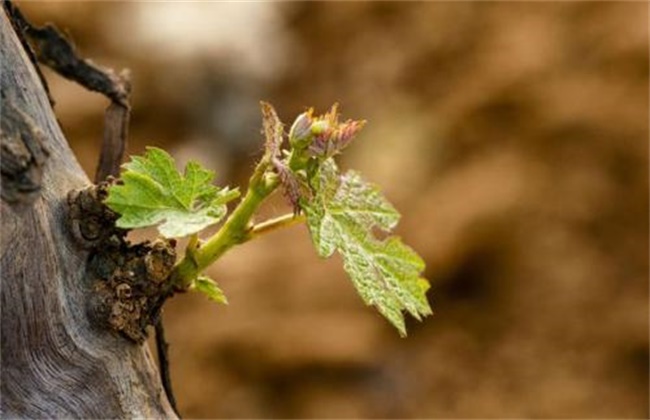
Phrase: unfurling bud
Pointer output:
(334, 139)
(347, 131)
(323, 136)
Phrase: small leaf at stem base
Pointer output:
(210, 289)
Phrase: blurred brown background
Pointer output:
(513, 137)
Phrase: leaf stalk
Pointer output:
(275, 223)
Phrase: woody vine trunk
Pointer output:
(55, 363)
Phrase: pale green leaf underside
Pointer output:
(155, 193)
(210, 289)
(386, 273)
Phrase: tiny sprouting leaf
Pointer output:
(154, 192)
(341, 217)
(273, 130)
(209, 288)
(290, 183)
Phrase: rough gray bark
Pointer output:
(54, 363)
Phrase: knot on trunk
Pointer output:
(130, 282)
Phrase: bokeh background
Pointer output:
(513, 137)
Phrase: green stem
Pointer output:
(236, 230)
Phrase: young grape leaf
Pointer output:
(341, 216)
(209, 288)
(153, 192)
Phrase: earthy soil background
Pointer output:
(512, 136)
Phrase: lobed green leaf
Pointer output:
(153, 192)
(341, 217)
